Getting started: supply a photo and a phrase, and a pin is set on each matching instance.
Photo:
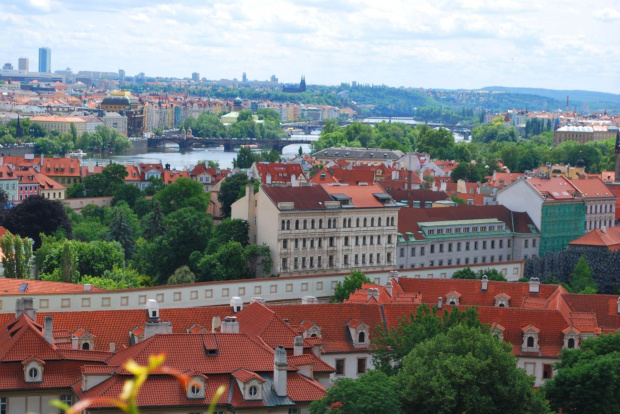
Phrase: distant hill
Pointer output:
(575, 95)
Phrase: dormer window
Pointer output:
(313, 332)
(253, 391)
(359, 333)
(33, 369)
(453, 298)
(530, 339)
(502, 300)
(361, 338)
(196, 387)
(498, 330)
(571, 338)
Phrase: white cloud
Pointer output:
(607, 14)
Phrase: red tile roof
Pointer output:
(609, 239)
(304, 198)
(592, 188)
(14, 286)
(280, 172)
(65, 167)
(361, 195)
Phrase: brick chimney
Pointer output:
(216, 322)
(298, 345)
(534, 285)
(280, 367)
(48, 330)
(230, 325)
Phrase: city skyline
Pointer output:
(467, 44)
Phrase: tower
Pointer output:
(23, 64)
(302, 84)
(45, 60)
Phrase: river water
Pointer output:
(186, 160)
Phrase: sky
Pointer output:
(450, 44)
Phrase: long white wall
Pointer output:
(273, 290)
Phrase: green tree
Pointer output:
(467, 171)
(227, 263)
(229, 230)
(120, 230)
(390, 346)
(351, 282)
(427, 182)
(465, 273)
(244, 158)
(581, 278)
(587, 379)
(155, 185)
(183, 193)
(229, 191)
(68, 263)
(153, 222)
(258, 256)
(73, 132)
(372, 393)
(182, 275)
(465, 370)
(16, 255)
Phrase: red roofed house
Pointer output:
(606, 238)
(600, 202)
(314, 229)
(464, 235)
(39, 363)
(276, 173)
(65, 171)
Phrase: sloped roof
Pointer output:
(592, 188)
(597, 238)
(362, 196)
(304, 198)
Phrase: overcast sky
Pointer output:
(557, 44)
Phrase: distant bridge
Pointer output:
(229, 144)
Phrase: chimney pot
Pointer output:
(87, 287)
(48, 331)
(308, 300)
(112, 347)
(485, 283)
(29, 309)
(534, 285)
(216, 322)
(439, 303)
(230, 325)
(388, 288)
(236, 303)
(280, 367)
(298, 345)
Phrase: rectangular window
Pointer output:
(484, 259)
(320, 243)
(296, 263)
(339, 367)
(303, 262)
(467, 260)
(547, 371)
(440, 262)
(533, 242)
(297, 243)
(422, 251)
(509, 243)
(449, 247)
(378, 258)
(357, 240)
(284, 244)
(458, 261)
(346, 259)
(475, 260)
(331, 242)
(527, 242)
(432, 248)
(492, 259)
(458, 247)
(449, 262)
(284, 263)
(66, 399)
(402, 252)
(303, 243)
(431, 263)
(441, 248)
(3, 405)
(363, 259)
(501, 258)
(467, 246)
(361, 366)
(413, 251)
(311, 262)
(293, 411)
(475, 245)
(378, 239)
(484, 245)
(357, 259)
(346, 240)
(318, 261)
(330, 260)
(389, 258)
(492, 244)
(389, 239)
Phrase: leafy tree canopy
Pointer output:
(351, 282)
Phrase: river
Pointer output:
(186, 160)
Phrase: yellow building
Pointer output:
(60, 123)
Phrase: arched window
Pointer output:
(253, 391)
(372, 222)
(501, 305)
(379, 222)
(530, 342)
(288, 224)
(329, 223)
(195, 389)
(85, 345)
(312, 224)
(361, 337)
(358, 222)
(349, 222)
(305, 224)
(296, 224)
(452, 302)
(392, 221)
(320, 223)
(313, 335)
(365, 222)
(33, 373)
(344, 223)
(571, 343)
(283, 225)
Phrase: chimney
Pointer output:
(308, 300)
(236, 303)
(618, 306)
(42, 158)
(112, 347)
(443, 186)
(216, 322)
(87, 287)
(280, 367)
(494, 175)
(152, 310)
(394, 175)
(373, 293)
(298, 345)
(393, 276)
(485, 283)
(293, 180)
(29, 309)
(268, 178)
(388, 288)
(230, 325)
(439, 303)
(48, 330)
(19, 308)
(534, 285)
